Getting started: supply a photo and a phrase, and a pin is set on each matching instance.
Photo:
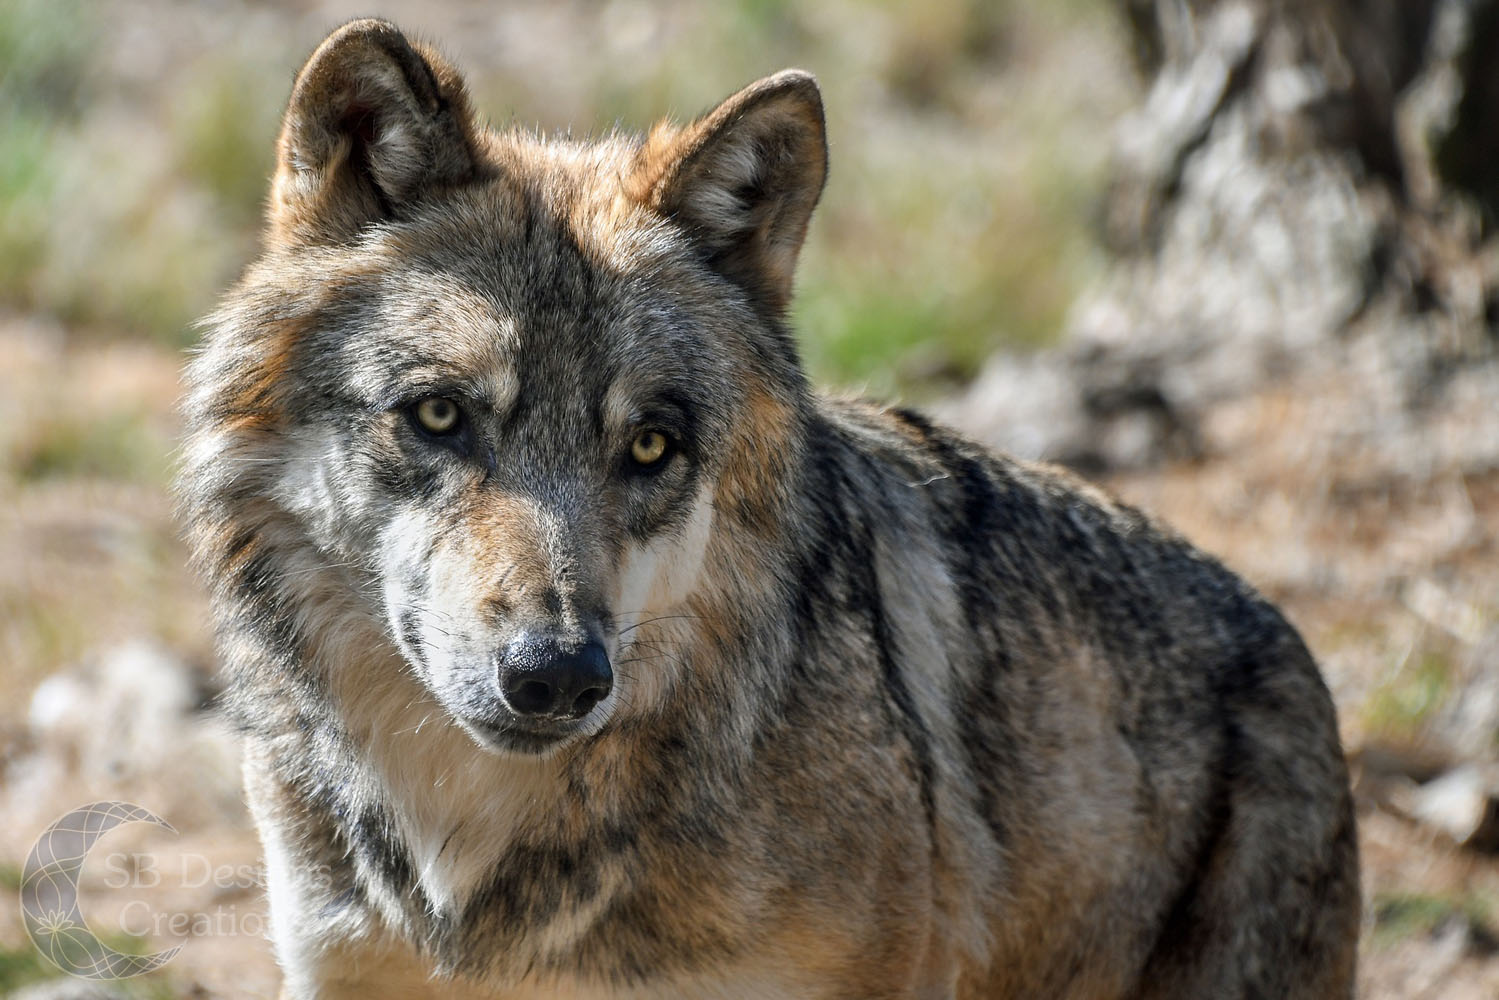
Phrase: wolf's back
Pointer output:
(1147, 743)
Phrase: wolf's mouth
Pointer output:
(526, 737)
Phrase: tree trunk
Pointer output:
(1306, 190)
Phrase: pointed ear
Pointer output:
(374, 124)
(743, 181)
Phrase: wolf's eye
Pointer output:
(649, 448)
(438, 415)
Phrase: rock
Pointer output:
(130, 722)
(124, 711)
(1462, 804)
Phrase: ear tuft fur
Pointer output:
(373, 124)
(743, 181)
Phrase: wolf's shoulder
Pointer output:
(984, 483)
(1031, 528)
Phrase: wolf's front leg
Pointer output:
(329, 946)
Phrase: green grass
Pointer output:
(25, 966)
(916, 272)
(25, 190)
(225, 125)
(922, 261)
(99, 226)
(1402, 915)
(119, 446)
(45, 49)
(1401, 707)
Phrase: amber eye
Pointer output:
(649, 448)
(438, 415)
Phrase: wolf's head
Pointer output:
(504, 393)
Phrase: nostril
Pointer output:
(531, 697)
(586, 701)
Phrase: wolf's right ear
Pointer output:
(375, 123)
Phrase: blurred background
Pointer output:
(1233, 258)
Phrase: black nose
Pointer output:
(540, 677)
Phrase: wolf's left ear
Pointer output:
(374, 124)
(744, 179)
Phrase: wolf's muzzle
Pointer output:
(541, 678)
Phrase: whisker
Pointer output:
(422, 608)
(660, 618)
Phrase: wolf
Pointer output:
(581, 649)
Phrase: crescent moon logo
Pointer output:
(49, 894)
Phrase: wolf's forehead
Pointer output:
(437, 333)
(446, 330)
(508, 290)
